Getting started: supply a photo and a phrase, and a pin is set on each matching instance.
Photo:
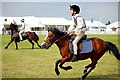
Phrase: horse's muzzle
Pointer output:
(45, 46)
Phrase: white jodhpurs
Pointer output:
(20, 34)
(75, 41)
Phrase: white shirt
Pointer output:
(80, 24)
(23, 26)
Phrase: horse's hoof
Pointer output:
(6, 47)
(85, 71)
(16, 48)
(69, 67)
(83, 77)
(57, 72)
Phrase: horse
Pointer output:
(30, 36)
(62, 40)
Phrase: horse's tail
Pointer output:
(36, 37)
(112, 48)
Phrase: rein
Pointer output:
(58, 39)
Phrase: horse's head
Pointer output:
(13, 26)
(52, 36)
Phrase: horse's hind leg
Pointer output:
(31, 43)
(86, 68)
(92, 67)
(38, 44)
(9, 43)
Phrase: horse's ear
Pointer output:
(50, 28)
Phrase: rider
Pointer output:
(22, 29)
(77, 27)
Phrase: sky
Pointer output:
(103, 11)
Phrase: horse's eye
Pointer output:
(50, 35)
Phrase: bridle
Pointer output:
(60, 38)
(49, 44)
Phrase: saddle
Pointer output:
(23, 36)
(84, 45)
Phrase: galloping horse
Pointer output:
(61, 39)
(30, 36)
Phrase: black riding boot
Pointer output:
(74, 58)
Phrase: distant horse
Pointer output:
(61, 39)
(30, 36)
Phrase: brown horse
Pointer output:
(61, 39)
(30, 36)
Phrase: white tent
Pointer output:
(95, 24)
(54, 21)
(32, 21)
(115, 24)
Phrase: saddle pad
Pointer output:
(86, 46)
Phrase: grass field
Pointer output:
(39, 63)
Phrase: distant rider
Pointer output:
(22, 29)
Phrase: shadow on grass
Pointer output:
(29, 48)
(99, 77)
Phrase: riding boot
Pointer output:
(21, 39)
(74, 58)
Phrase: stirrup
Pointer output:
(74, 58)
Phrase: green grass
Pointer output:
(39, 63)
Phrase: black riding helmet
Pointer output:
(22, 20)
(75, 8)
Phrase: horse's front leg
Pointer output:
(61, 66)
(16, 45)
(9, 43)
(65, 68)
(56, 67)
(62, 61)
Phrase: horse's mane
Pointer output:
(56, 31)
(14, 27)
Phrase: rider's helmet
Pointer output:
(22, 20)
(75, 8)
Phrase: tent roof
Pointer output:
(32, 21)
(95, 24)
(54, 21)
(115, 24)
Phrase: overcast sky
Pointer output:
(96, 10)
